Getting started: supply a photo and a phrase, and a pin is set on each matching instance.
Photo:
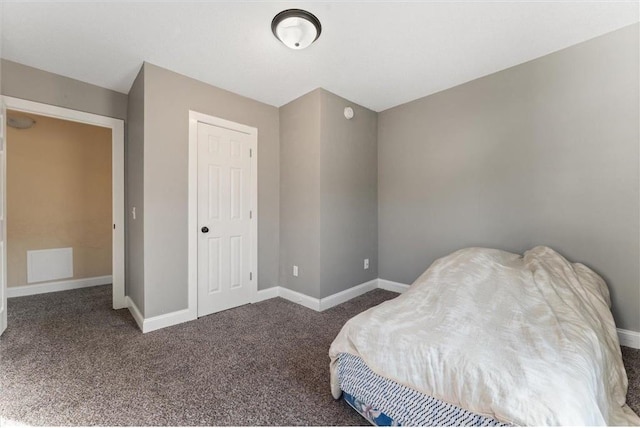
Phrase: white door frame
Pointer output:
(3, 226)
(117, 164)
(192, 230)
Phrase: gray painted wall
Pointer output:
(348, 195)
(300, 194)
(134, 165)
(168, 98)
(328, 201)
(544, 153)
(32, 84)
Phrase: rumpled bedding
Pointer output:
(528, 340)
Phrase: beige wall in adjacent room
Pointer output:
(59, 195)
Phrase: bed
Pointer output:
(487, 338)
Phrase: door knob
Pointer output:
(205, 229)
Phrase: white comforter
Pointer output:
(528, 340)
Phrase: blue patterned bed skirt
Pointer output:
(384, 402)
(374, 416)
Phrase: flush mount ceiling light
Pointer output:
(20, 122)
(296, 28)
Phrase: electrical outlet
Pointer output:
(366, 263)
(295, 270)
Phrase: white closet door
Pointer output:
(224, 240)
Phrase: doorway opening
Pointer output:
(64, 200)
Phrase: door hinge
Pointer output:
(250, 153)
(114, 226)
(250, 214)
(250, 276)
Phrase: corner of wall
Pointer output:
(135, 194)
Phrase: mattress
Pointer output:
(384, 402)
(527, 340)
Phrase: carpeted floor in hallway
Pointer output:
(68, 359)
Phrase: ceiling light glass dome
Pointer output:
(296, 28)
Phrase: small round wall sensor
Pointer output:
(348, 112)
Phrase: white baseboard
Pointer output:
(319, 304)
(299, 298)
(167, 320)
(396, 287)
(3, 327)
(348, 294)
(267, 294)
(629, 338)
(49, 287)
(160, 321)
(626, 337)
(135, 313)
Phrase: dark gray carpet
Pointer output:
(68, 359)
(631, 358)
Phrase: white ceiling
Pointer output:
(377, 54)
